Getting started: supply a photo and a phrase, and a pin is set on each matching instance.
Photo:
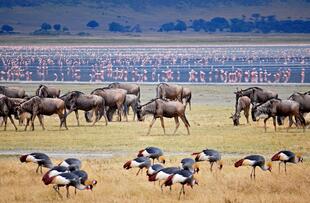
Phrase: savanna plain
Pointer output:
(104, 150)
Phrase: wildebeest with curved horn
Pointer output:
(76, 100)
(113, 98)
(187, 96)
(14, 92)
(47, 92)
(37, 106)
(7, 108)
(130, 88)
(244, 104)
(303, 99)
(169, 91)
(277, 107)
(256, 94)
(161, 108)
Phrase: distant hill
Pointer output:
(147, 16)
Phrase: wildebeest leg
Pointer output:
(134, 112)
(119, 112)
(162, 124)
(265, 120)
(177, 124)
(77, 117)
(32, 120)
(28, 120)
(41, 122)
(274, 123)
(5, 119)
(151, 124)
(184, 119)
(290, 123)
(12, 121)
(246, 114)
(95, 112)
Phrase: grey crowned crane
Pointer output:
(56, 170)
(153, 153)
(72, 164)
(190, 165)
(254, 161)
(67, 180)
(210, 155)
(154, 169)
(286, 156)
(140, 162)
(163, 174)
(184, 177)
(84, 178)
(39, 158)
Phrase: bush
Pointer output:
(92, 24)
(167, 27)
(46, 26)
(7, 28)
(57, 27)
(180, 26)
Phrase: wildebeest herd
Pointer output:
(101, 102)
(266, 104)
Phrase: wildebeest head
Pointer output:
(263, 109)
(139, 113)
(235, 117)
(42, 91)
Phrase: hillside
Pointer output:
(26, 16)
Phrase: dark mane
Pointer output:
(257, 88)
(152, 100)
(162, 83)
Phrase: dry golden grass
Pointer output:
(20, 183)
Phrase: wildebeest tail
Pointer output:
(138, 95)
(189, 100)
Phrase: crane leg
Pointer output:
(67, 187)
(279, 166)
(180, 193)
(161, 187)
(254, 173)
(37, 169)
(56, 188)
(138, 172)
(285, 167)
(211, 166)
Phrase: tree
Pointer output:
(198, 25)
(116, 27)
(166, 27)
(7, 28)
(46, 26)
(57, 27)
(92, 24)
(220, 23)
(180, 26)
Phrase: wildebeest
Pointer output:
(47, 92)
(76, 100)
(277, 107)
(7, 108)
(187, 96)
(303, 99)
(37, 106)
(14, 92)
(169, 91)
(113, 98)
(130, 88)
(256, 94)
(244, 104)
(161, 108)
(131, 101)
